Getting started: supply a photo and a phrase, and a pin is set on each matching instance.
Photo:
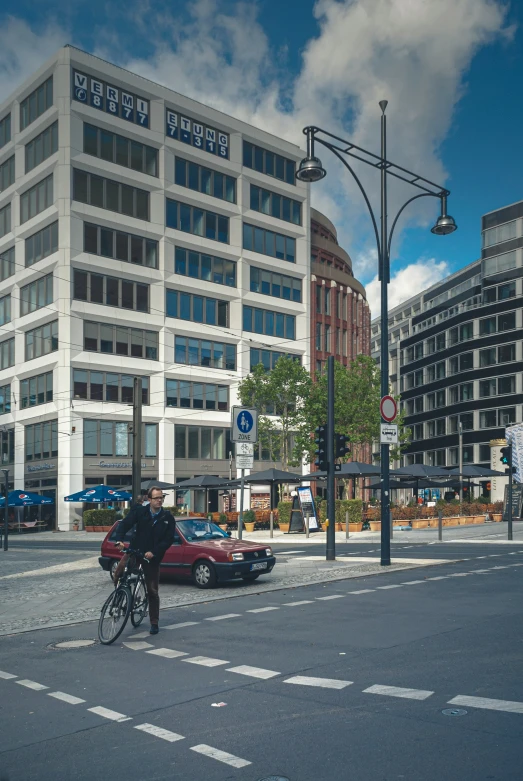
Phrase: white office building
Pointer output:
(141, 234)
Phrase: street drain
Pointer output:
(454, 712)
(71, 645)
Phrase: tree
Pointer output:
(279, 396)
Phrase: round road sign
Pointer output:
(388, 408)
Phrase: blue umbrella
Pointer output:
(24, 499)
(100, 493)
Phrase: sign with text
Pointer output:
(197, 134)
(244, 455)
(308, 507)
(517, 502)
(388, 434)
(113, 100)
(244, 425)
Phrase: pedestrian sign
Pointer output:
(244, 424)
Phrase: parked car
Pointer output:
(201, 552)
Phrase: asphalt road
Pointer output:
(293, 683)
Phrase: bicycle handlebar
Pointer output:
(135, 552)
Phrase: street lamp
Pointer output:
(312, 170)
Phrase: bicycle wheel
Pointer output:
(139, 608)
(114, 615)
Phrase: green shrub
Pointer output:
(249, 516)
(99, 517)
(355, 508)
(284, 512)
(222, 519)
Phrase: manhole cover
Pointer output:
(454, 712)
(71, 644)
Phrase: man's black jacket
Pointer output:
(156, 538)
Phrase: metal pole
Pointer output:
(137, 438)
(240, 516)
(230, 465)
(6, 510)
(346, 524)
(331, 498)
(440, 525)
(384, 279)
(391, 524)
(509, 501)
(271, 525)
(307, 525)
(460, 429)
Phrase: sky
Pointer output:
(451, 70)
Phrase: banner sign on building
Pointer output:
(182, 128)
(514, 437)
(113, 100)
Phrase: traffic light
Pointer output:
(341, 447)
(321, 449)
(506, 458)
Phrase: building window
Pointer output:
(196, 395)
(120, 246)
(431, 346)
(506, 353)
(120, 150)
(269, 358)
(197, 309)
(7, 264)
(466, 391)
(36, 390)
(5, 220)
(484, 453)
(487, 326)
(319, 308)
(120, 340)
(453, 365)
(40, 148)
(499, 293)
(507, 416)
(499, 386)
(7, 443)
(201, 352)
(487, 388)
(36, 295)
(108, 194)
(199, 222)
(36, 103)
(418, 404)
(106, 386)
(7, 353)
(506, 384)
(206, 267)
(499, 263)
(269, 243)
(204, 180)
(507, 321)
(468, 454)
(466, 361)
(418, 378)
(5, 399)
(41, 341)
(500, 233)
(5, 309)
(7, 173)
(270, 283)
(487, 357)
(466, 331)
(327, 341)
(36, 199)
(327, 295)
(265, 321)
(488, 418)
(202, 442)
(41, 244)
(275, 205)
(268, 163)
(110, 291)
(41, 440)
(112, 438)
(5, 130)
(467, 421)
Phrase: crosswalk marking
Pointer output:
(37, 687)
(262, 609)
(296, 604)
(221, 756)
(362, 591)
(221, 618)
(65, 697)
(140, 635)
(322, 683)
(7, 676)
(180, 626)
(486, 703)
(205, 661)
(168, 653)
(106, 713)
(253, 672)
(398, 691)
(159, 732)
(138, 646)
(332, 596)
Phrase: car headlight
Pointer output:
(235, 556)
(268, 551)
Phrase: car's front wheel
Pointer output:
(204, 574)
(112, 568)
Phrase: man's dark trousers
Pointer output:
(152, 579)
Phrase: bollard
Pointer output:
(440, 525)
(346, 524)
(307, 525)
(271, 525)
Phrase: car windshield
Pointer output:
(200, 530)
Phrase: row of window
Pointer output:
(324, 334)
(41, 244)
(198, 309)
(36, 199)
(111, 438)
(111, 195)
(268, 163)
(5, 399)
(120, 340)
(36, 295)
(268, 358)
(269, 243)
(499, 386)
(196, 395)
(110, 291)
(41, 341)
(264, 321)
(489, 356)
(204, 180)
(5, 310)
(5, 130)
(41, 147)
(275, 205)
(36, 390)
(492, 418)
(7, 173)
(271, 283)
(5, 220)
(107, 386)
(202, 352)
(120, 150)
(36, 103)
(199, 222)
(41, 440)
(109, 243)
(207, 267)
(500, 233)
(202, 442)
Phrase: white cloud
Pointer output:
(406, 283)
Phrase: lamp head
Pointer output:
(310, 170)
(445, 224)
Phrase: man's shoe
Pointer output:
(154, 629)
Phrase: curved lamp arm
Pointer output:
(415, 197)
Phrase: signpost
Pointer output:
(388, 434)
(388, 408)
(244, 431)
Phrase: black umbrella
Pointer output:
(420, 471)
(349, 469)
(471, 470)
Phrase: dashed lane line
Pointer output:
(221, 756)
(139, 646)
(253, 672)
(332, 596)
(297, 604)
(362, 591)
(7, 676)
(159, 732)
(262, 609)
(66, 698)
(106, 713)
(384, 588)
(488, 704)
(205, 661)
(398, 691)
(222, 618)
(37, 687)
(182, 625)
(167, 653)
(322, 683)
(412, 582)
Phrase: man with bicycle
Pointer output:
(153, 534)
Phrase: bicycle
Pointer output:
(129, 598)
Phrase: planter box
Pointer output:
(420, 524)
(249, 527)
(91, 528)
(496, 517)
(375, 526)
(355, 527)
(284, 527)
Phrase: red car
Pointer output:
(202, 552)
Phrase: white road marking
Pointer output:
(159, 732)
(37, 687)
(459, 574)
(71, 566)
(481, 557)
(512, 553)
(179, 626)
(398, 585)
(484, 702)
(140, 635)
(322, 683)
(222, 618)
(287, 552)
(398, 691)
(7, 676)
(332, 596)
(139, 646)
(412, 582)
(221, 756)
(205, 661)
(106, 713)
(362, 591)
(439, 577)
(65, 697)
(253, 672)
(262, 609)
(168, 653)
(297, 604)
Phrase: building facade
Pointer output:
(455, 351)
(141, 234)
